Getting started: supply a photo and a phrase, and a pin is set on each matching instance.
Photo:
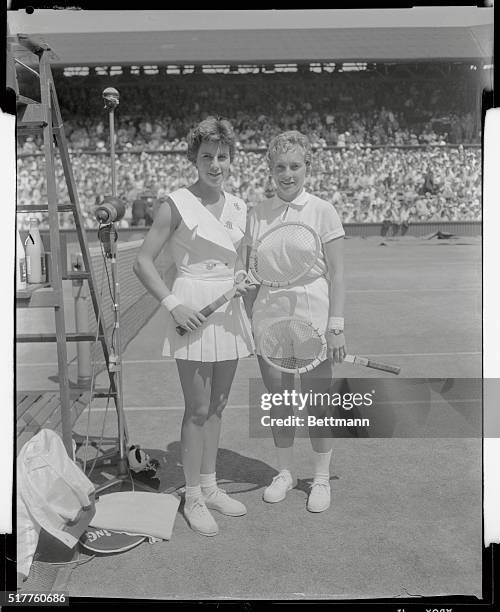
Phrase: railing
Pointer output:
(417, 229)
(261, 150)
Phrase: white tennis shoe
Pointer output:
(319, 496)
(199, 518)
(279, 487)
(219, 500)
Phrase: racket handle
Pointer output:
(210, 308)
(370, 363)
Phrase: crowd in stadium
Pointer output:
(365, 183)
(157, 113)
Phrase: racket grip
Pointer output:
(211, 308)
(376, 365)
(208, 310)
(370, 363)
(384, 366)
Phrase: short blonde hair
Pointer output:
(286, 141)
(211, 129)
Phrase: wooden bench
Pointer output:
(39, 409)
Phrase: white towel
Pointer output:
(137, 512)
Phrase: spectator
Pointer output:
(143, 210)
(428, 184)
(404, 219)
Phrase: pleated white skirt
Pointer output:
(225, 335)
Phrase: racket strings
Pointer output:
(285, 254)
(291, 344)
(291, 363)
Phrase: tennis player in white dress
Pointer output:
(203, 227)
(317, 298)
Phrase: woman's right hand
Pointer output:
(244, 289)
(187, 318)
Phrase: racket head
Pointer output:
(284, 254)
(108, 541)
(291, 345)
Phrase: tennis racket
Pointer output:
(280, 257)
(295, 346)
(284, 254)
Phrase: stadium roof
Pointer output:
(87, 38)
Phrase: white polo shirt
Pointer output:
(306, 208)
(308, 299)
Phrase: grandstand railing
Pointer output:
(417, 229)
(362, 230)
(261, 150)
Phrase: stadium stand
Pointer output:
(388, 147)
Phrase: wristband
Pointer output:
(336, 323)
(170, 302)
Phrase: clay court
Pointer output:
(406, 514)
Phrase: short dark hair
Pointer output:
(211, 129)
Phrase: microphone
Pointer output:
(111, 209)
(108, 235)
(111, 98)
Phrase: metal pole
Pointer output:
(112, 150)
(116, 366)
(111, 98)
(27, 67)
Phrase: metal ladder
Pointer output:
(44, 118)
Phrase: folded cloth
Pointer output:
(137, 512)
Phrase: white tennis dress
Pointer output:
(204, 250)
(308, 299)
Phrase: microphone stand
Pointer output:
(108, 235)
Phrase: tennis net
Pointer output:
(137, 306)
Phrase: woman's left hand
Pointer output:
(336, 347)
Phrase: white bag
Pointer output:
(51, 492)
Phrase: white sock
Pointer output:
(285, 458)
(192, 493)
(322, 466)
(208, 483)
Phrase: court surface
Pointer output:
(406, 514)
